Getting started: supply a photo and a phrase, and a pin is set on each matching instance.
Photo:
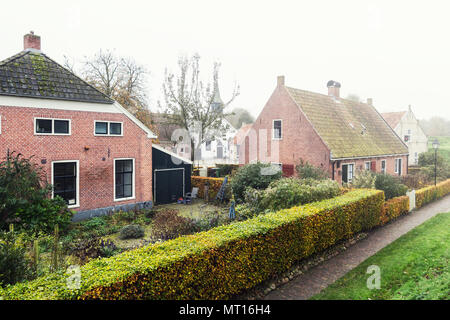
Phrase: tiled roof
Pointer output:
(32, 74)
(350, 129)
(393, 118)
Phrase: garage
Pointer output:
(171, 175)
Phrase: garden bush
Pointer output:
(214, 186)
(307, 170)
(221, 262)
(393, 208)
(289, 192)
(364, 179)
(132, 231)
(14, 264)
(391, 186)
(431, 193)
(254, 175)
(168, 224)
(25, 197)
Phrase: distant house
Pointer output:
(94, 152)
(339, 135)
(239, 137)
(219, 149)
(407, 127)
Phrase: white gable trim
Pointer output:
(150, 134)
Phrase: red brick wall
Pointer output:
(299, 140)
(96, 175)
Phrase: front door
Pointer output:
(345, 173)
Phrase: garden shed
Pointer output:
(171, 175)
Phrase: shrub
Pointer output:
(221, 262)
(86, 249)
(394, 208)
(289, 192)
(13, 261)
(214, 185)
(132, 231)
(431, 193)
(307, 170)
(415, 181)
(167, 224)
(364, 179)
(226, 169)
(24, 197)
(391, 186)
(254, 175)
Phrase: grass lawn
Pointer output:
(415, 266)
(444, 146)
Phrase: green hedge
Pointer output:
(221, 262)
(429, 194)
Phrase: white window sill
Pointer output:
(124, 199)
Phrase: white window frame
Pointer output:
(133, 189)
(53, 127)
(273, 129)
(77, 204)
(109, 129)
(396, 166)
(365, 165)
(381, 166)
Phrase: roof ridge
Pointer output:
(14, 57)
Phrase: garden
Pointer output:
(171, 249)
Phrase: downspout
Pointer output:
(332, 170)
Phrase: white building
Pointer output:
(407, 127)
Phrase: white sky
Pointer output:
(397, 52)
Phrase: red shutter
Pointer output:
(373, 166)
(288, 170)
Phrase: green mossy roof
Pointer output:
(350, 129)
(32, 74)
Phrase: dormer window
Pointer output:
(108, 128)
(48, 126)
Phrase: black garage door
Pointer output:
(169, 185)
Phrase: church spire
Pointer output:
(217, 103)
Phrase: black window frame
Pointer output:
(120, 177)
(52, 126)
(65, 178)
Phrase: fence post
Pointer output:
(412, 199)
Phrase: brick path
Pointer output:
(326, 273)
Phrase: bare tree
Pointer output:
(192, 105)
(121, 79)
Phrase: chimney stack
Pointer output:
(369, 101)
(333, 88)
(280, 81)
(31, 41)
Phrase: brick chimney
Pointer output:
(31, 41)
(280, 81)
(333, 88)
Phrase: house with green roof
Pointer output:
(338, 135)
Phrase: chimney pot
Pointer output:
(280, 80)
(333, 88)
(31, 41)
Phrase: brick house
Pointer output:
(406, 125)
(94, 152)
(339, 135)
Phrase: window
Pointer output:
(406, 138)
(208, 145)
(367, 165)
(65, 181)
(108, 128)
(123, 179)
(383, 166)
(398, 166)
(348, 172)
(277, 129)
(52, 126)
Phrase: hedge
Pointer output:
(218, 263)
(431, 193)
(214, 186)
(393, 208)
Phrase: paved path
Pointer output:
(326, 273)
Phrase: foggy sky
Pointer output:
(396, 52)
